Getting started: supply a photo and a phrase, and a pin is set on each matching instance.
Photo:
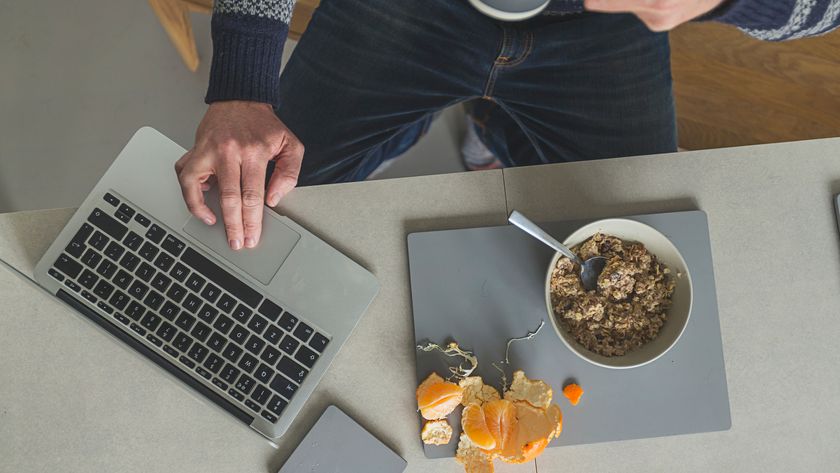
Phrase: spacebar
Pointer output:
(224, 279)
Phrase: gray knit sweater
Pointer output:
(248, 36)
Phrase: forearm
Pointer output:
(248, 38)
(778, 20)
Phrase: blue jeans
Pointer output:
(368, 77)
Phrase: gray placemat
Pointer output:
(482, 286)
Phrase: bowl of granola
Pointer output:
(641, 305)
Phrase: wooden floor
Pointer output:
(732, 90)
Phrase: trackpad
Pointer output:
(261, 263)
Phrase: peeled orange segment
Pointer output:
(475, 426)
(500, 417)
(437, 398)
(573, 392)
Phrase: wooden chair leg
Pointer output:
(174, 16)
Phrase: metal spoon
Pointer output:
(589, 269)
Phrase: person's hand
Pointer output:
(658, 15)
(233, 144)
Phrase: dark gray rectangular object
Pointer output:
(482, 286)
(337, 444)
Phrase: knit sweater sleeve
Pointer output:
(248, 38)
(778, 20)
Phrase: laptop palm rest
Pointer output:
(262, 263)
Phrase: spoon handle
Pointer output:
(532, 229)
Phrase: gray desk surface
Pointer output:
(73, 399)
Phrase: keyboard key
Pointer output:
(171, 351)
(200, 331)
(229, 373)
(260, 394)
(245, 383)
(226, 303)
(247, 363)
(107, 268)
(129, 261)
(114, 251)
(155, 341)
(75, 249)
(294, 371)
(105, 307)
(138, 329)
(68, 266)
(135, 310)
(190, 363)
(283, 386)
(103, 289)
(122, 217)
(150, 321)
(88, 279)
(252, 405)
(182, 342)
(223, 324)
(289, 344)
(192, 303)
(90, 297)
(176, 292)
(148, 251)
(254, 344)
(161, 282)
(198, 352)
(133, 241)
(153, 300)
(210, 293)
(232, 352)
(72, 285)
(287, 322)
(185, 321)
(126, 210)
(123, 279)
(91, 258)
(155, 233)
(239, 334)
(107, 224)
(236, 394)
(264, 373)
(55, 274)
(269, 416)
(273, 334)
(142, 220)
(214, 363)
(270, 310)
(216, 342)
(270, 355)
(207, 313)
(276, 405)
(173, 245)
(204, 373)
(220, 384)
(257, 324)
(221, 278)
(306, 356)
(98, 241)
(119, 300)
(179, 272)
(83, 233)
(169, 310)
(123, 319)
(145, 272)
(138, 290)
(195, 282)
(166, 331)
(242, 313)
(303, 332)
(111, 199)
(164, 262)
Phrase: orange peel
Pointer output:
(573, 393)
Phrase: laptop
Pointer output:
(252, 330)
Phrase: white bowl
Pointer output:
(678, 313)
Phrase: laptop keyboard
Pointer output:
(207, 321)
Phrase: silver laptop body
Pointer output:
(253, 331)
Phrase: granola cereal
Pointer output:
(629, 305)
